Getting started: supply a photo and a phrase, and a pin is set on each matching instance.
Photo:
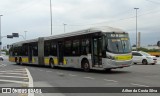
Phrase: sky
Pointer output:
(33, 16)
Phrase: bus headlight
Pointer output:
(111, 57)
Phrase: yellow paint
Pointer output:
(46, 61)
(24, 60)
(11, 59)
(56, 61)
(64, 61)
(123, 57)
(33, 60)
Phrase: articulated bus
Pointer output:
(102, 48)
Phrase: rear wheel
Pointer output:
(16, 60)
(86, 66)
(20, 61)
(144, 62)
(52, 64)
(153, 63)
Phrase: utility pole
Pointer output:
(25, 35)
(64, 27)
(136, 26)
(0, 36)
(51, 14)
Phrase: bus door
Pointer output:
(97, 52)
(30, 54)
(60, 53)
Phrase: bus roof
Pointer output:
(104, 29)
(23, 42)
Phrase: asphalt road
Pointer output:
(12, 75)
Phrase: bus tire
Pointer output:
(20, 61)
(85, 65)
(16, 61)
(51, 63)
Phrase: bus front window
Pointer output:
(118, 44)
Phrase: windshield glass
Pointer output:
(118, 43)
(145, 54)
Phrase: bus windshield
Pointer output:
(118, 43)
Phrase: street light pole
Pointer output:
(64, 27)
(51, 14)
(0, 36)
(25, 35)
(136, 26)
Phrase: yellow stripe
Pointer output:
(24, 59)
(46, 61)
(11, 59)
(64, 61)
(56, 61)
(33, 60)
(123, 57)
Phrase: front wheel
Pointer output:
(144, 62)
(52, 64)
(86, 66)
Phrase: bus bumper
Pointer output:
(116, 64)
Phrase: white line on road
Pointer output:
(139, 85)
(110, 80)
(2, 65)
(72, 75)
(59, 73)
(48, 71)
(13, 76)
(30, 81)
(89, 78)
(13, 81)
(14, 73)
(19, 69)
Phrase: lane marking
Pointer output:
(13, 81)
(30, 81)
(40, 70)
(2, 65)
(13, 76)
(72, 75)
(88, 78)
(48, 71)
(14, 73)
(19, 69)
(110, 80)
(59, 73)
(139, 85)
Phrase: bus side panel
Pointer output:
(25, 60)
(11, 59)
(41, 51)
(46, 60)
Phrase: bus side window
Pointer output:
(67, 51)
(53, 49)
(85, 49)
(47, 48)
(75, 50)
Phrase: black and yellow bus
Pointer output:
(101, 48)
